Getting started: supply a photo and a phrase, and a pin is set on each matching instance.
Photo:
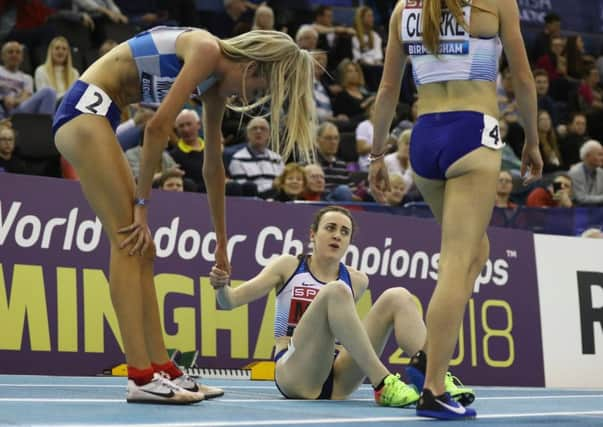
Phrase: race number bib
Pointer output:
(491, 136)
(94, 101)
(454, 40)
(301, 297)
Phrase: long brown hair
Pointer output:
(548, 141)
(361, 30)
(432, 17)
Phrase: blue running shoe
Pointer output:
(415, 373)
(442, 407)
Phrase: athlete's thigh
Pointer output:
(469, 198)
(347, 374)
(432, 191)
(309, 363)
(89, 144)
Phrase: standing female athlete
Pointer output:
(167, 66)
(455, 150)
(315, 311)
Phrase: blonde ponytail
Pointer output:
(289, 72)
(432, 17)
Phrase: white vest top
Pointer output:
(296, 295)
(461, 57)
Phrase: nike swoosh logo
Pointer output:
(456, 410)
(156, 393)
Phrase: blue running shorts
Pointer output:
(440, 139)
(85, 98)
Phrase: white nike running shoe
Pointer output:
(160, 390)
(188, 383)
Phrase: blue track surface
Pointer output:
(100, 401)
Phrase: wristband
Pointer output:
(374, 157)
(141, 202)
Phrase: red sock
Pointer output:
(140, 376)
(169, 368)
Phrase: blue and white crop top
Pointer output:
(295, 296)
(158, 65)
(461, 57)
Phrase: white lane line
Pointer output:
(323, 421)
(281, 399)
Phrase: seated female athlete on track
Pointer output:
(166, 66)
(315, 311)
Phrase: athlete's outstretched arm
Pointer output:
(213, 172)
(273, 276)
(386, 101)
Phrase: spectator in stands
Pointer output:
(16, 87)
(57, 72)
(28, 23)
(504, 186)
(591, 97)
(236, 18)
(144, 13)
(409, 117)
(509, 161)
(553, 61)
(556, 195)
(576, 136)
(337, 177)
(255, 163)
(398, 187)
(102, 12)
(150, 13)
(354, 101)
(364, 140)
(130, 132)
(367, 46)
(324, 108)
(334, 39)
(593, 233)
(290, 184)
(552, 28)
(399, 161)
(263, 18)
(171, 181)
(545, 102)
(506, 96)
(188, 152)
(549, 149)
(307, 37)
(167, 164)
(9, 161)
(574, 54)
(315, 183)
(328, 32)
(587, 176)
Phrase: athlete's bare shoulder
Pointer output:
(285, 265)
(197, 43)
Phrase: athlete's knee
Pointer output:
(482, 254)
(396, 298)
(336, 289)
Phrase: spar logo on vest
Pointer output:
(454, 40)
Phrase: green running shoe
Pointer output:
(396, 393)
(464, 395)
